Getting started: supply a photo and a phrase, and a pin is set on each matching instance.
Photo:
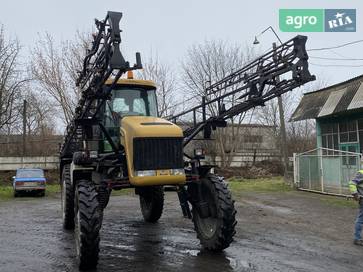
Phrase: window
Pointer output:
(360, 141)
(360, 124)
(348, 131)
(126, 101)
(130, 102)
(29, 173)
(134, 101)
(329, 135)
(329, 128)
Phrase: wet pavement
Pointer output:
(288, 232)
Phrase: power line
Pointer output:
(343, 59)
(338, 54)
(335, 65)
(335, 47)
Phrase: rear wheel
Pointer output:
(216, 229)
(67, 198)
(152, 203)
(88, 222)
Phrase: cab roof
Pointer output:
(137, 82)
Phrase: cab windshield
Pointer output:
(127, 101)
(132, 102)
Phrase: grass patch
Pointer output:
(52, 189)
(339, 201)
(263, 185)
(7, 192)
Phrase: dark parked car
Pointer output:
(29, 180)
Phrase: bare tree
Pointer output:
(11, 80)
(207, 63)
(54, 68)
(270, 115)
(164, 79)
(300, 135)
(39, 115)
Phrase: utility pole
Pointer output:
(24, 127)
(283, 141)
(283, 147)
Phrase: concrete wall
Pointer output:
(246, 158)
(12, 163)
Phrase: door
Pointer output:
(350, 162)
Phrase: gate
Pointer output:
(326, 170)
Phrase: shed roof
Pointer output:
(336, 99)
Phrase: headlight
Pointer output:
(145, 173)
(199, 153)
(178, 171)
(93, 154)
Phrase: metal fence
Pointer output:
(326, 170)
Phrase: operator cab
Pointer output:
(131, 101)
(130, 97)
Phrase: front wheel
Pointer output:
(216, 228)
(88, 221)
(67, 198)
(151, 203)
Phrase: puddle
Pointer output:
(123, 247)
(240, 265)
(192, 252)
(276, 209)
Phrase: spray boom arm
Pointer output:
(253, 85)
(103, 60)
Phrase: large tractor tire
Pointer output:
(215, 231)
(88, 222)
(152, 203)
(67, 198)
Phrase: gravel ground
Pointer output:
(290, 231)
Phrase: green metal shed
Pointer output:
(338, 111)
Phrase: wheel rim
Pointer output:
(208, 226)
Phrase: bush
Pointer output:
(263, 169)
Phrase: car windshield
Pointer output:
(29, 173)
(132, 101)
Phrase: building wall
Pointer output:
(35, 145)
(256, 143)
(13, 163)
(341, 132)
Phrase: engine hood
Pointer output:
(146, 126)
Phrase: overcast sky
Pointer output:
(167, 28)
